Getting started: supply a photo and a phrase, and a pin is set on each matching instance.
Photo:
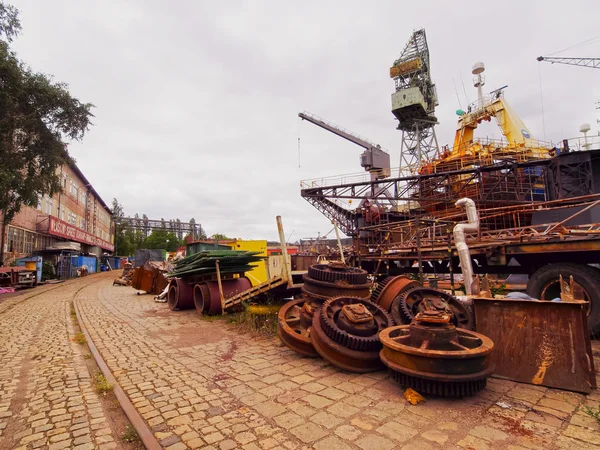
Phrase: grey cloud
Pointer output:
(197, 102)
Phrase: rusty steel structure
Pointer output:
(434, 357)
(146, 225)
(539, 342)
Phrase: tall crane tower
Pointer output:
(592, 63)
(413, 104)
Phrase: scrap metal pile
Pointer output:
(422, 335)
(204, 263)
(205, 279)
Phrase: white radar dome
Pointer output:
(478, 68)
(584, 128)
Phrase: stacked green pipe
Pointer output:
(204, 263)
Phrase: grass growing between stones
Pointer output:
(130, 435)
(101, 383)
(593, 413)
(80, 338)
(256, 319)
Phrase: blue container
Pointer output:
(89, 261)
(38, 260)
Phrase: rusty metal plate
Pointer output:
(539, 342)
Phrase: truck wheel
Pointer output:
(544, 284)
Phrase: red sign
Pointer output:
(57, 227)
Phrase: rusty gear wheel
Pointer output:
(432, 387)
(346, 333)
(337, 272)
(434, 357)
(388, 289)
(294, 323)
(325, 290)
(408, 305)
(354, 323)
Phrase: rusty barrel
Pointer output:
(207, 298)
(180, 295)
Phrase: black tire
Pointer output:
(586, 276)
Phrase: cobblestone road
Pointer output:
(47, 399)
(201, 384)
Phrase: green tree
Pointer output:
(220, 237)
(37, 117)
(162, 239)
(123, 245)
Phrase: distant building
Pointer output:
(76, 219)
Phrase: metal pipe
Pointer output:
(287, 270)
(471, 226)
(339, 242)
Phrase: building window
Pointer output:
(83, 198)
(82, 223)
(20, 241)
(74, 189)
(65, 182)
(43, 242)
(40, 202)
(49, 205)
(62, 213)
(72, 218)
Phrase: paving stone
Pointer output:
(488, 433)
(374, 442)
(245, 437)
(308, 432)
(288, 420)
(331, 443)
(583, 434)
(435, 436)
(473, 443)
(213, 437)
(396, 431)
(326, 419)
(227, 444)
(348, 432)
(168, 440)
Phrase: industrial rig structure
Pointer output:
(537, 203)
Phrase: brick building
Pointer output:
(76, 219)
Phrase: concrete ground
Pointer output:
(202, 384)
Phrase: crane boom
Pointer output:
(337, 130)
(592, 63)
(374, 159)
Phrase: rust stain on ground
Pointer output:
(232, 348)
(190, 335)
(514, 427)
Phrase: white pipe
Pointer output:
(471, 226)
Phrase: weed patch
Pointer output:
(80, 338)
(101, 383)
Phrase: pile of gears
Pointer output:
(424, 336)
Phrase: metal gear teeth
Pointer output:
(377, 292)
(351, 275)
(398, 313)
(439, 388)
(406, 312)
(342, 337)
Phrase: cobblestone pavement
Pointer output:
(47, 399)
(201, 384)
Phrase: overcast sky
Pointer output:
(197, 101)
